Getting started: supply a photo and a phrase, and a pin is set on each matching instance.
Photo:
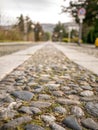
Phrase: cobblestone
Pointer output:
(49, 92)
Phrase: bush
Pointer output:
(10, 35)
(91, 36)
(76, 40)
(66, 40)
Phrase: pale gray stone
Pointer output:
(40, 104)
(73, 97)
(44, 78)
(86, 87)
(77, 111)
(44, 96)
(60, 110)
(48, 118)
(11, 125)
(65, 101)
(8, 99)
(73, 85)
(87, 93)
(38, 89)
(71, 122)
(33, 127)
(55, 126)
(53, 86)
(7, 114)
(23, 95)
(35, 110)
(90, 124)
(25, 110)
(58, 93)
(65, 88)
(70, 92)
(92, 108)
(86, 99)
(27, 88)
(31, 83)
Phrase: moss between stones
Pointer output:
(35, 98)
(25, 103)
(55, 105)
(19, 128)
(38, 121)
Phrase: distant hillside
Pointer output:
(6, 27)
(48, 27)
(70, 24)
(73, 25)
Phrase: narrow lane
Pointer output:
(49, 92)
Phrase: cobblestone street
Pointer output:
(49, 92)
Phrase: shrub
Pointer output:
(10, 35)
(65, 40)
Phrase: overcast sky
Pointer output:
(43, 11)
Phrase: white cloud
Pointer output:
(44, 11)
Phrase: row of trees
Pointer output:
(90, 26)
(61, 33)
(24, 29)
